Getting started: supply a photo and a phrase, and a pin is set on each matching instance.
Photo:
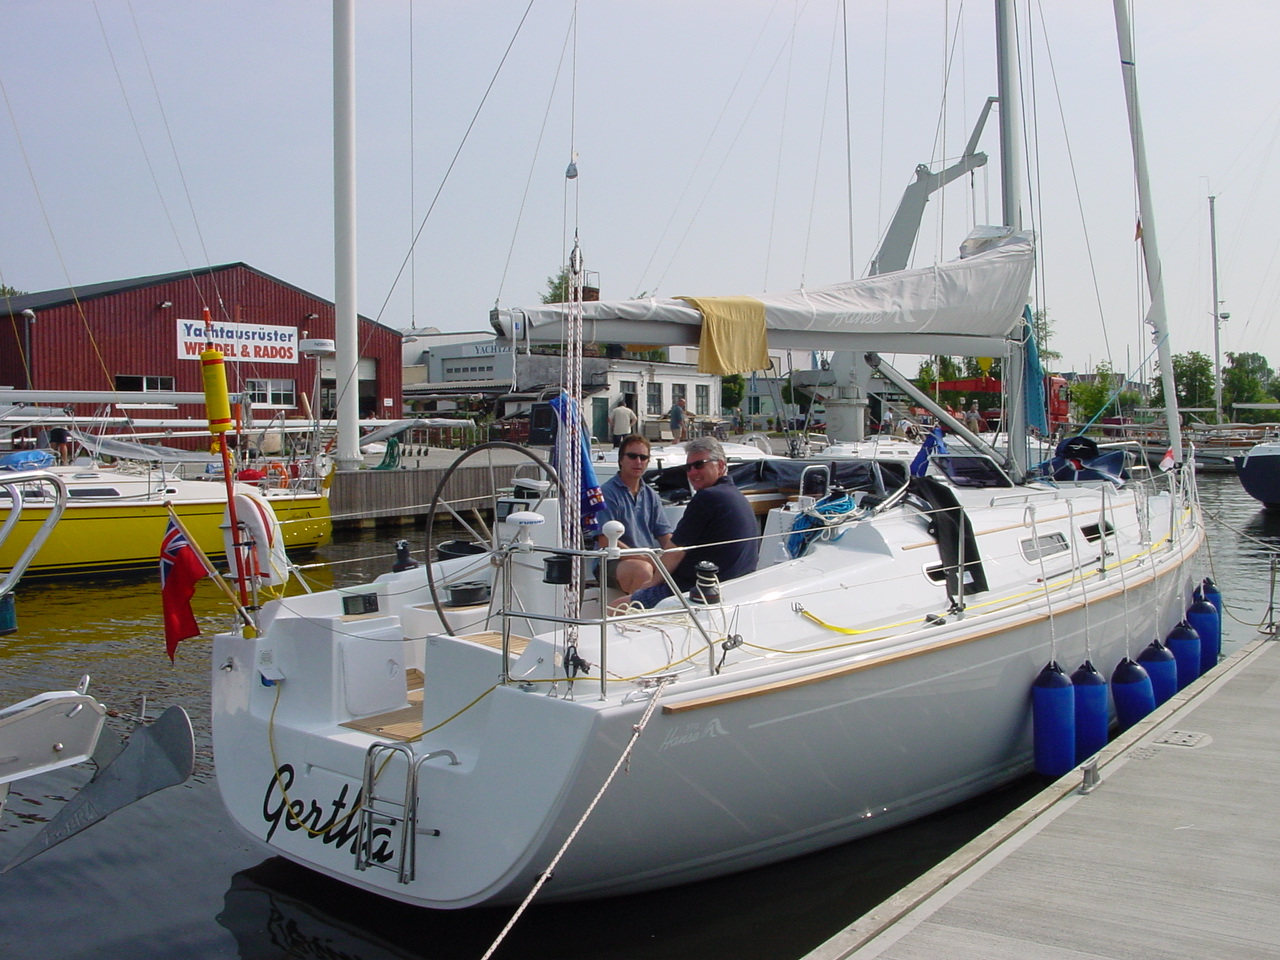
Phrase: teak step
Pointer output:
(402, 724)
(493, 638)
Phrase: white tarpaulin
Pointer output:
(979, 297)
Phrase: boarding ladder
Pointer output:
(398, 814)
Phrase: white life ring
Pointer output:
(267, 559)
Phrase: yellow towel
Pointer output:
(733, 338)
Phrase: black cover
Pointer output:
(756, 476)
(948, 522)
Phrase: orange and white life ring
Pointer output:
(260, 529)
(276, 471)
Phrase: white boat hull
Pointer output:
(805, 739)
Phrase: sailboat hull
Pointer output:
(119, 527)
(1259, 473)
(802, 740)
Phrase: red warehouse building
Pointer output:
(146, 335)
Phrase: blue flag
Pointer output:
(590, 494)
(933, 443)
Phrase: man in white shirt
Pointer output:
(622, 422)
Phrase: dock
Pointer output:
(1174, 853)
(375, 497)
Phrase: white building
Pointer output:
(443, 370)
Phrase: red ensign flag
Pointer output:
(180, 568)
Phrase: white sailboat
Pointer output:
(449, 735)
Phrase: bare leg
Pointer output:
(634, 573)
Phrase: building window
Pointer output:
(679, 391)
(144, 384)
(270, 393)
(654, 407)
(467, 370)
(702, 403)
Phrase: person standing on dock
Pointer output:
(679, 418)
(973, 418)
(622, 423)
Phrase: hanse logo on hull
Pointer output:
(691, 733)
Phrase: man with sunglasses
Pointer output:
(639, 510)
(718, 525)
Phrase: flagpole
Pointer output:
(217, 404)
(210, 568)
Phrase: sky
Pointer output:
(146, 136)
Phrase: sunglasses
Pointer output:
(642, 457)
(699, 464)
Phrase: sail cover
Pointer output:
(963, 307)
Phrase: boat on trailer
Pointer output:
(485, 725)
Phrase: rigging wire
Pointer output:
(182, 174)
(44, 213)
(782, 139)
(571, 189)
(533, 162)
(413, 183)
(884, 101)
(703, 153)
(1075, 183)
(729, 152)
(452, 163)
(817, 160)
(848, 132)
(940, 128)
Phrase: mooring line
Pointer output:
(636, 730)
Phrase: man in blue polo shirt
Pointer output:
(718, 525)
(638, 508)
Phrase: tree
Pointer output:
(1248, 379)
(1042, 330)
(796, 395)
(8, 291)
(1193, 375)
(935, 370)
(558, 287)
(973, 367)
(1102, 397)
(732, 389)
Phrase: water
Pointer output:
(171, 877)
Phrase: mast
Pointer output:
(1217, 316)
(1147, 229)
(1010, 116)
(346, 332)
(1011, 201)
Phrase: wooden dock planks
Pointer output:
(1176, 854)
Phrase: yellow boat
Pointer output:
(115, 518)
